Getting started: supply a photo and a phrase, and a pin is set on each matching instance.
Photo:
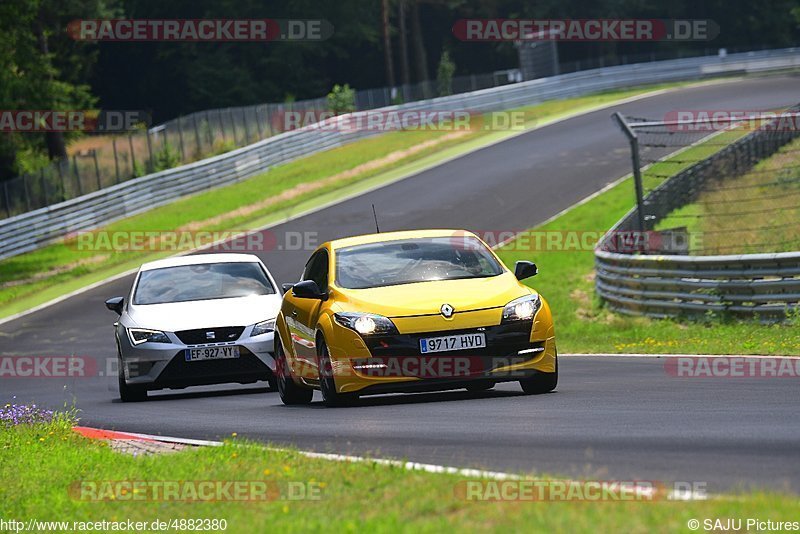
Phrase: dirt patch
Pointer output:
(56, 271)
(301, 189)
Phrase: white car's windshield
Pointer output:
(201, 282)
(414, 260)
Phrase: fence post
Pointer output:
(222, 127)
(246, 129)
(5, 198)
(150, 150)
(96, 169)
(60, 166)
(116, 160)
(133, 156)
(197, 135)
(44, 187)
(27, 194)
(180, 138)
(258, 124)
(77, 174)
(637, 171)
(233, 124)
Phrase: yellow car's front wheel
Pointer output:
(541, 382)
(327, 382)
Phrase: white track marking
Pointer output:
(644, 490)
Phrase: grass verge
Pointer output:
(41, 466)
(34, 278)
(756, 212)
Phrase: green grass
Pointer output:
(41, 465)
(36, 277)
(747, 214)
(583, 325)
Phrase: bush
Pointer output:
(166, 158)
(342, 99)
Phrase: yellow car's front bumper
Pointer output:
(394, 363)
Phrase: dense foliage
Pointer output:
(41, 67)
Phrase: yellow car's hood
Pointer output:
(426, 298)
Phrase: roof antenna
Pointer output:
(375, 215)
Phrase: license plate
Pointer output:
(447, 343)
(212, 353)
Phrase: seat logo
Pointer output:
(210, 335)
(447, 310)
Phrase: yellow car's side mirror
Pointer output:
(525, 269)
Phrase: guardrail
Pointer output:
(34, 229)
(763, 286)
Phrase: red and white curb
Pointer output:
(645, 491)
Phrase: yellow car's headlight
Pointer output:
(366, 324)
(522, 309)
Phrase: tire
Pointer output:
(480, 386)
(291, 394)
(327, 383)
(272, 381)
(128, 393)
(540, 382)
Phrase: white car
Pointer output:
(196, 320)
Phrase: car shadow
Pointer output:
(169, 395)
(424, 398)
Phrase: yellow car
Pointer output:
(407, 312)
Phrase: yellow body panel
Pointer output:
(413, 308)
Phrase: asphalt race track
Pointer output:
(611, 417)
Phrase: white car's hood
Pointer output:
(177, 316)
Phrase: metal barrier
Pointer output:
(34, 229)
(763, 286)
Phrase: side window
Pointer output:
(317, 269)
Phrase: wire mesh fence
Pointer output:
(731, 182)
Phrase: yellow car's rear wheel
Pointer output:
(327, 382)
(290, 392)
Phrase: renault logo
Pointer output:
(447, 310)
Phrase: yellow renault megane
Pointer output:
(411, 311)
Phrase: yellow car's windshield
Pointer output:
(414, 260)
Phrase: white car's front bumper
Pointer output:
(163, 365)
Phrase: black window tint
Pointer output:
(317, 270)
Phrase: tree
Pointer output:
(43, 68)
(444, 74)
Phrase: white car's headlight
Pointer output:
(522, 309)
(366, 323)
(142, 335)
(264, 327)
